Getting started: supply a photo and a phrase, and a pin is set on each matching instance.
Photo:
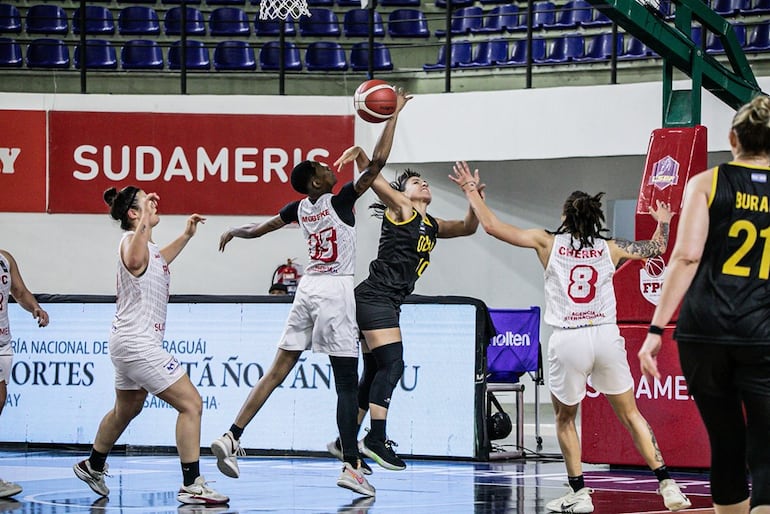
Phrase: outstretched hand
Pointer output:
(661, 214)
(349, 155)
(402, 97)
(192, 224)
(466, 180)
(225, 238)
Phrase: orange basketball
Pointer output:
(375, 101)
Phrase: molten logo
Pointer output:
(511, 339)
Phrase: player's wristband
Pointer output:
(655, 330)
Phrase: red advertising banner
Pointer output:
(22, 161)
(206, 163)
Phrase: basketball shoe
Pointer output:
(227, 449)
(381, 452)
(673, 498)
(94, 479)
(573, 502)
(354, 480)
(8, 489)
(199, 493)
(335, 448)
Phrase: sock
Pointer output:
(378, 429)
(190, 471)
(576, 483)
(236, 431)
(661, 473)
(97, 460)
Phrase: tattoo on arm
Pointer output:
(650, 248)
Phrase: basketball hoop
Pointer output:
(282, 9)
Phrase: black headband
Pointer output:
(130, 203)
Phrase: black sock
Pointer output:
(97, 460)
(661, 473)
(236, 431)
(576, 483)
(378, 429)
(190, 471)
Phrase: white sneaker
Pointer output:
(354, 480)
(672, 496)
(199, 493)
(94, 479)
(573, 502)
(227, 449)
(335, 448)
(8, 489)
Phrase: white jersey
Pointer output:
(578, 284)
(5, 291)
(140, 317)
(331, 242)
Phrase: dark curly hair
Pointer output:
(583, 218)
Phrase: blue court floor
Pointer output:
(148, 484)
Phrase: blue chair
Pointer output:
(456, 4)
(600, 48)
(321, 23)
(98, 20)
(188, 2)
(269, 56)
(714, 44)
(173, 22)
(759, 38)
(636, 50)
(135, 1)
(572, 14)
(229, 21)
(500, 18)
(10, 19)
(10, 53)
(599, 19)
(325, 56)
(273, 27)
(197, 56)
(519, 52)
(543, 13)
(759, 7)
(464, 21)
(47, 19)
(489, 53)
(565, 49)
(138, 20)
(729, 8)
(407, 23)
(226, 2)
(234, 55)
(356, 23)
(460, 52)
(322, 3)
(48, 53)
(400, 3)
(490, 2)
(359, 57)
(141, 54)
(348, 3)
(100, 55)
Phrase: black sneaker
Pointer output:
(335, 448)
(382, 453)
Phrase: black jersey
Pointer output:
(729, 299)
(402, 256)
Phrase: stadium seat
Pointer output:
(598, 19)
(543, 13)
(600, 47)
(197, 56)
(98, 20)
(229, 21)
(47, 19)
(464, 20)
(572, 14)
(269, 56)
(491, 2)
(759, 38)
(565, 49)
(273, 27)
(321, 23)
(172, 21)
(519, 51)
(489, 53)
(456, 4)
(138, 20)
(234, 55)
(141, 54)
(359, 57)
(48, 53)
(636, 50)
(187, 2)
(100, 55)
(407, 23)
(758, 7)
(135, 1)
(325, 56)
(322, 3)
(349, 3)
(356, 23)
(714, 44)
(729, 8)
(225, 2)
(500, 18)
(10, 19)
(10, 53)
(400, 3)
(460, 52)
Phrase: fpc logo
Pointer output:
(665, 173)
(651, 279)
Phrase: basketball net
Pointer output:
(282, 9)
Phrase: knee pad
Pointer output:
(365, 385)
(390, 368)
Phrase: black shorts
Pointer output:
(722, 369)
(375, 312)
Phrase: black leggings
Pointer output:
(346, 383)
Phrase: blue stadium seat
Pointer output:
(407, 23)
(10, 53)
(400, 3)
(138, 20)
(48, 53)
(10, 19)
(359, 57)
(759, 38)
(600, 47)
(636, 50)
(269, 56)
(714, 44)
(226, 2)
(519, 51)
(464, 20)
(349, 3)
(356, 23)
(98, 20)
(729, 8)
(565, 49)
(173, 22)
(197, 56)
(491, 2)
(759, 7)
(188, 2)
(47, 19)
(135, 1)
(234, 55)
(273, 27)
(456, 4)
(460, 52)
(543, 13)
(572, 14)
(322, 3)
(229, 21)
(141, 54)
(321, 23)
(489, 53)
(500, 18)
(325, 56)
(599, 19)
(100, 55)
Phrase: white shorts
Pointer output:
(323, 317)
(6, 363)
(575, 354)
(153, 370)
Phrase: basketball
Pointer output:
(375, 101)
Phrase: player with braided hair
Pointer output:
(579, 263)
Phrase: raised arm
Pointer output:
(22, 295)
(134, 252)
(250, 231)
(623, 249)
(173, 249)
